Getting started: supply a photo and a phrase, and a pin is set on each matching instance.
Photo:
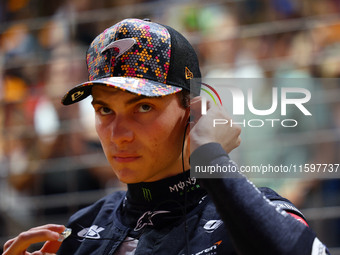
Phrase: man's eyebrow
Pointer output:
(98, 101)
(128, 102)
(136, 99)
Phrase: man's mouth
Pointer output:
(125, 158)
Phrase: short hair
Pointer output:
(184, 97)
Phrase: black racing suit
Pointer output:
(177, 216)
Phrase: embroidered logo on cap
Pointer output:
(188, 74)
(123, 45)
(77, 95)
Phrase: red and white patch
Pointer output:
(298, 218)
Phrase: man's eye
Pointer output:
(144, 108)
(105, 111)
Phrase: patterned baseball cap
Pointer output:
(141, 57)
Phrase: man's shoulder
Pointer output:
(271, 194)
(281, 202)
(101, 208)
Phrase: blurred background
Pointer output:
(51, 163)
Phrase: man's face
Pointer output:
(141, 136)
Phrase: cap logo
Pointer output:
(77, 95)
(188, 74)
(123, 45)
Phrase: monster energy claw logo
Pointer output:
(147, 194)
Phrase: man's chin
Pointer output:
(128, 176)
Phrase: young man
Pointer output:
(139, 78)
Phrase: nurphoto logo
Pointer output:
(280, 101)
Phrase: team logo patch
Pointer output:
(146, 219)
(212, 250)
(318, 248)
(212, 225)
(180, 186)
(147, 194)
(123, 45)
(91, 232)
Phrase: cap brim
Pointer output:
(137, 86)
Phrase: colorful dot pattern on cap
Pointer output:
(148, 58)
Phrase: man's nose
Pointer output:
(121, 131)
